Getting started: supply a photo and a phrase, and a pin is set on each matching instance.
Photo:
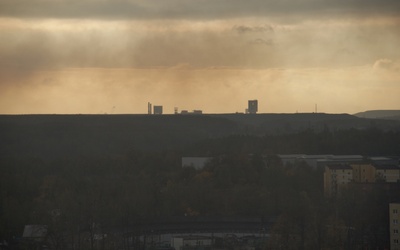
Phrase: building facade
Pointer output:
(336, 177)
(363, 172)
(388, 173)
(394, 220)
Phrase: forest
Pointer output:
(78, 195)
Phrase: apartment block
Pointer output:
(388, 172)
(336, 177)
(394, 219)
(363, 173)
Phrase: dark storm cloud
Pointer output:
(200, 9)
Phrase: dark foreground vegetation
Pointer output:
(80, 192)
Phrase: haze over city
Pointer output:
(92, 56)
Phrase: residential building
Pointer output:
(336, 177)
(363, 172)
(388, 172)
(394, 226)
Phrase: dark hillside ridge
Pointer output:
(74, 135)
(58, 135)
(381, 114)
(290, 123)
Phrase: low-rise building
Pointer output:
(191, 242)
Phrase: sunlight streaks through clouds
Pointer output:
(87, 56)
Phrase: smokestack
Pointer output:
(149, 108)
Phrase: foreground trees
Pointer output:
(84, 200)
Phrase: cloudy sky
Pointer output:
(114, 56)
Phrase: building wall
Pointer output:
(390, 175)
(394, 220)
(337, 176)
(363, 173)
(336, 179)
(328, 182)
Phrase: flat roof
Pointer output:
(339, 166)
(386, 166)
(347, 157)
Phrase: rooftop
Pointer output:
(386, 166)
(339, 166)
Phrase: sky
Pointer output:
(115, 56)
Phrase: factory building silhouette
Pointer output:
(158, 109)
(252, 107)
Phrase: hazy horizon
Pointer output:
(103, 56)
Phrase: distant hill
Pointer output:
(291, 123)
(60, 135)
(381, 114)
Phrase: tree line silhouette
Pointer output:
(80, 196)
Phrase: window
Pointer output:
(396, 241)
(396, 231)
(395, 221)
(395, 211)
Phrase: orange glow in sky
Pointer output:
(115, 56)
